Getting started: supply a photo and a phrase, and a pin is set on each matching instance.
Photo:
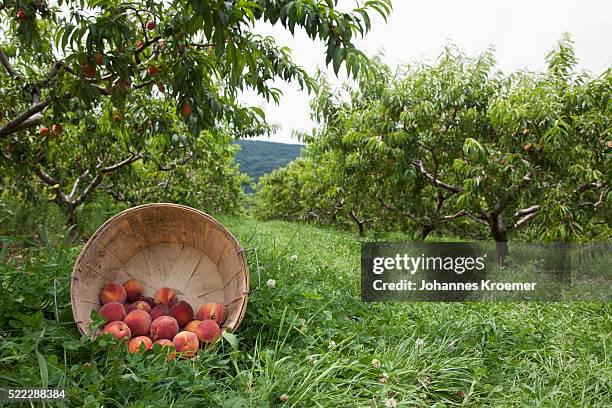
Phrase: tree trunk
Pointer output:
(425, 230)
(498, 230)
(360, 223)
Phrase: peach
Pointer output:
(164, 327)
(208, 331)
(112, 292)
(159, 311)
(139, 305)
(149, 300)
(186, 343)
(134, 344)
(139, 322)
(118, 329)
(182, 312)
(133, 289)
(165, 343)
(112, 311)
(216, 312)
(165, 296)
(192, 325)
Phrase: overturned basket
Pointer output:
(163, 245)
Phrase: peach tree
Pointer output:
(90, 88)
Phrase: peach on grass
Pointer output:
(167, 347)
(182, 312)
(139, 322)
(133, 287)
(186, 343)
(192, 325)
(216, 312)
(139, 305)
(164, 327)
(159, 311)
(134, 344)
(165, 296)
(118, 329)
(112, 292)
(112, 311)
(208, 331)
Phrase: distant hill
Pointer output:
(258, 157)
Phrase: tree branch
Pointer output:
(7, 65)
(16, 124)
(433, 180)
(52, 181)
(524, 220)
(184, 160)
(527, 211)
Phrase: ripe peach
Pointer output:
(164, 327)
(89, 71)
(139, 322)
(133, 287)
(151, 25)
(112, 292)
(112, 311)
(185, 110)
(182, 312)
(161, 87)
(21, 15)
(152, 70)
(165, 343)
(43, 131)
(186, 343)
(159, 311)
(213, 311)
(192, 325)
(208, 331)
(165, 296)
(57, 129)
(134, 344)
(149, 300)
(118, 329)
(139, 305)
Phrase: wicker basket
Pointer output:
(163, 245)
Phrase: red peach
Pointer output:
(182, 312)
(57, 129)
(213, 311)
(139, 322)
(165, 343)
(99, 58)
(151, 25)
(118, 329)
(208, 331)
(133, 287)
(185, 110)
(149, 300)
(159, 311)
(164, 327)
(113, 292)
(186, 343)
(134, 344)
(139, 305)
(112, 311)
(165, 296)
(192, 326)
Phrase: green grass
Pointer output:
(311, 338)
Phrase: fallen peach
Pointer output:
(164, 327)
(165, 343)
(216, 312)
(186, 343)
(208, 331)
(134, 344)
(133, 289)
(112, 311)
(182, 312)
(139, 322)
(159, 311)
(192, 325)
(139, 305)
(112, 292)
(165, 296)
(118, 329)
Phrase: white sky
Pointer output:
(521, 31)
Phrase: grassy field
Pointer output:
(309, 340)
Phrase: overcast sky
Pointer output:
(521, 32)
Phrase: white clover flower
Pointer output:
(391, 403)
(293, 258)
(419, 342)
(284, 398)
(452, 346)
(331, 345)
(375, 363)
(384, 378)
(271, 283)
(312, 358)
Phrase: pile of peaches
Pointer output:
(162, 319)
